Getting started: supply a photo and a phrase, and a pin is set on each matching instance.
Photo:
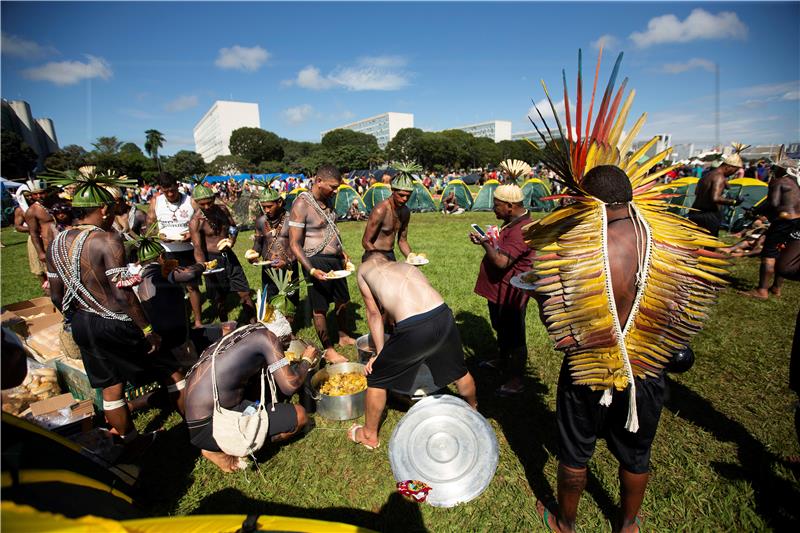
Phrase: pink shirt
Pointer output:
(494, 283)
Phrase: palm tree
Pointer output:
(153, 141)
(107, 145)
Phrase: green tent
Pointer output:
(684, 189)
(485, 199)
(421, 200)
(376, 193)
(345, 195)
(533, 190)
(291, 195)
(463, 196)
(750, 191)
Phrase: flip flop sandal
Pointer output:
(351, 434)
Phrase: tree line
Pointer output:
(258, 151)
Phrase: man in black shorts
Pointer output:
(710, 194)
(425, 332)
(314, 240)
(240, 359)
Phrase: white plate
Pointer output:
(517, 282)
(213, 271)
(339, 274)
(418, 261)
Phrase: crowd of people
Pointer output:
(125, 305)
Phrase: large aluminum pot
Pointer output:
(366, 348)
(338, 407)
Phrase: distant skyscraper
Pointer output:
(496, 130)
(39, 134)
(383, 127)
(212, 134)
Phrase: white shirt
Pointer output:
(173, 219)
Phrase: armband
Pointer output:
(148, 329)
(116, 271)
(277, 365)
(233, 231)
(312, 271)
(293, 224)
(52, 275)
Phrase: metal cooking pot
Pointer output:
(366, 348)
(345, 407)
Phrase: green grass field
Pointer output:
(716, 463)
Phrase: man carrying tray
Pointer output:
(425, 332)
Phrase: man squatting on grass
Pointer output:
(314, 240)
(425, 332)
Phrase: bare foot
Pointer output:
(775, 292)
(333, 357)
(758, 294)
(346, 340)
(226, 463)
(353, 435)
(548, 518)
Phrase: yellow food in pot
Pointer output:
(344, 384)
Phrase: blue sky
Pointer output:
(119, 69)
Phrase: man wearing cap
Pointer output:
(783, 205)
(108, 323)
(503, 260)
(389, 220)
(710, 193)
(173, 210)
(38, 220)
(213, 232)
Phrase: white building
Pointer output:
(212, 134)
(383, 127)
(39, 133)
(496, 130)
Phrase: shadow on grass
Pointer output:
(776, 499)
(397, 514)
(477, 336)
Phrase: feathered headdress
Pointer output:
(404, 180)
(677, 278)
(734, 159)
(91, 187)
(515, 168)
(267, 193)
(201, 191)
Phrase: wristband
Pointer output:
(148, 329)
(312, 271)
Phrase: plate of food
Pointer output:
(338, 274)
(525, 281)
(173, 236)
(264, 263)
(212, 267)
(417, 259)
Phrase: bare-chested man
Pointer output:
(240, 358)
(173, 210)
(710, 195)
(314, 240)
(425, 332)
(783, 201)
(38, 220)
(213, 232)
(108, 324)
(389, 220)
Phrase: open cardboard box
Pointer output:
(38, 322)
(62, 414)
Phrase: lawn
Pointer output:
(716, 462)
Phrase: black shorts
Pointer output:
(778, 233)
(431, 338)
(282, 420)
(581, 420)
(231, 279)
(115, 352)
(509, 323)
(710, 220)
(388, 253)
(322, 293)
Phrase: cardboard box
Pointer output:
(63, 414)
(39, 323)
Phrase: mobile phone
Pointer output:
(478, 230)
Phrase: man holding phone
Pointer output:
(506, 258)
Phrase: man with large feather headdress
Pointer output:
(623, 285)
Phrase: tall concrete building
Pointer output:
(383, 127)
(212, 134)
(496, 130)
(39, 134)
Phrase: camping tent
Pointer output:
(376, 193)
(463, 196)
(485, 199)
(345, 195)
(684, 188)
(750, 191)
(291, 195)
(421, 199)
(533, 190)
(471, 179)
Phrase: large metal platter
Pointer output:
(443, 442)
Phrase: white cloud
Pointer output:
(547, 112)
(19, 47)
(70, 72)
(182, 103)
(242, 58)
(298, 115)
(791, 95)
(700, 24)
(695, 62)
(370, 74)
(607, 41)
(766, 90)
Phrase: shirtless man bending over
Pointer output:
(425, 332)
(239, 361)
(390, 219)
(783, 201)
